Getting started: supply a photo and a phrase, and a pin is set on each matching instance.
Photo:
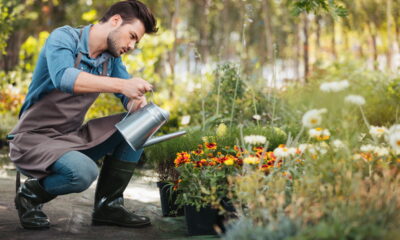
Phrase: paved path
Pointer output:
(70, 216)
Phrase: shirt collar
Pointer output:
(84, 42)
(84, 47)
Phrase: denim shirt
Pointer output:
(55, 66)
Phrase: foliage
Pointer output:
(244, 228)
(316, 6)
(9, 10)
(30, 50)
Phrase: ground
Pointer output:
(70, 215)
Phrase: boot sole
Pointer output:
(97, 222)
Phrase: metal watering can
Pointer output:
(139, 127)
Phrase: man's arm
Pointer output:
(60, 60)
(132, 88)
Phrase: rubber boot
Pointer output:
(29, 201)
(109, 206)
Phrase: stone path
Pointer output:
(70, 216)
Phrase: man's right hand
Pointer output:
(135, 88)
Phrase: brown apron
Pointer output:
(53, 126)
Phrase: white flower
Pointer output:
(313, 117)
(185, 120)
(337, 144)
(355, 99)
(255, 139)
(395, 128)
(394, 141)
(319, 133)
(311, 149)
(281, 152)
(381, 151)
(256, 117)
(377, 131)
(367, 148)
(334, 86)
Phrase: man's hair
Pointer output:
(131, 10)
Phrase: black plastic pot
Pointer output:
(202, 222)
(168, 198)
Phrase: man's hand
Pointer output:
(135, 88)
(137, 103)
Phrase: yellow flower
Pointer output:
(229, 162)
(221, 130)
(251, 160)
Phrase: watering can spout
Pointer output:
(139, 127)
(163, 138)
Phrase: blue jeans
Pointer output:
(75, 171)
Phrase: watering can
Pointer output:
(139, 127)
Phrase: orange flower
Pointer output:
(211, 145)
(181, 158)
(258, 149)
(198, 152)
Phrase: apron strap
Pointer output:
(79, 58)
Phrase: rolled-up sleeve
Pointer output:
(60, 56)
(119, 71)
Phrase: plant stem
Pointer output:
(234, 100)
(255, 108)
(218, 94)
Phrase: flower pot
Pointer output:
(202, 222)
(168, 198)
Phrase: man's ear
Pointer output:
(116, 20)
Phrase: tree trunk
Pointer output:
(318, 33)
(397, 29)
(11, 59)
(172, 53)
(375, 50)
(306, 48)
(204, 30)
(333, 39)
(374, 46)
(389, 34)
(268, 29)
(298, 51)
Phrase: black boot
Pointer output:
(109, 206)
(29, 201)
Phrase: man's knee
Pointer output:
(82, 171)
(83, 178)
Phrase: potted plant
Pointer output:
(161, 157)
(203, 185)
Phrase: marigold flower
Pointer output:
(181, 158)
(229, 162)
(198, 152)
(211, 145)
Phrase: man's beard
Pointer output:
(112, 45)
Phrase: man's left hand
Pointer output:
(137, 103)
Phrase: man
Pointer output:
(52, 146)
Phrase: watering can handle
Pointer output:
(130, 109)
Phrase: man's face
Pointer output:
(125, 37)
